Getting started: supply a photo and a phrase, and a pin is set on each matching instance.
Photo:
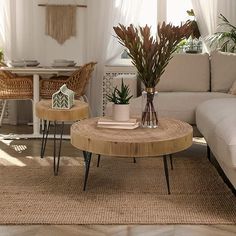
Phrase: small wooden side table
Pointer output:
(44, 111)
(169, 137)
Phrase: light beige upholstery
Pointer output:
(178, 105)
(216, 120)
(186, 73)
(223, 71)
(233, 88)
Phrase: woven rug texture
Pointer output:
(118, 192)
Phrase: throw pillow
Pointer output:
(223, 71)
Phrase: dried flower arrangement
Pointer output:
(151, 55)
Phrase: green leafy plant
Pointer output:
(181, 45)
(1, 55)
(195, 33)
(225, 39)
(193, 43)
(120, 96)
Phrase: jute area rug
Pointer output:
(118, 192)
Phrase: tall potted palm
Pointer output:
(150, 55)
(225, 38)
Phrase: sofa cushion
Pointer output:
(223, 71)
(178, 105)
(186, 73)
(233, 88)
(211, 112)
(216, 121)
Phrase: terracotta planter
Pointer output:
(120, 112)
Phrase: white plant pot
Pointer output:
(120, 112)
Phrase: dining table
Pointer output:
(36, 72)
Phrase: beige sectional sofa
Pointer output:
(216, 118)
(189, 80)
(199, 82)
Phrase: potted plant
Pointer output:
(225, 39)
(1, 55)
(150, 55)
(120, 98)
(193, 43)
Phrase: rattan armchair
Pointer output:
(76, 82)
(14, 87)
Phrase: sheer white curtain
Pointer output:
(177, 11)
(5, 29)
(228, 9)
(102, 47)
(207, 14)
(16, 28)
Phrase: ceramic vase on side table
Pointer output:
(120, 112)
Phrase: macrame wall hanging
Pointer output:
(61, 21)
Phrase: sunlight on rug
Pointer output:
(118, 192)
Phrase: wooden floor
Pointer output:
(119, 230)
(100, 230)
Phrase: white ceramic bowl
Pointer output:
(32, 63)
(60, 64)
(17, 63)
(60, 61)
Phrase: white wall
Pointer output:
(45, 49)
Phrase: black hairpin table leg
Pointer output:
(171, 162)
(208, 153)
(98, 162)
(57, 156)
(45, 137)
(87, 160)
(166, 172)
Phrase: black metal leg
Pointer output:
(98, 162)
(56, 160)
(171, 162)
(45, 137)
(87, 160)
(166, 172)
(134, 160)
(208, 153)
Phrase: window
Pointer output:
(176, 11)
(150, 12)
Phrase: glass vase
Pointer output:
(149, 108)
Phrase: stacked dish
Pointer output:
(63, 63)
(22, 63)
(17, 63)
(31, 63)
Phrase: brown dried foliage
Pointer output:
(150, 55)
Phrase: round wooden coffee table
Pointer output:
(169, 137)
(45, 112)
